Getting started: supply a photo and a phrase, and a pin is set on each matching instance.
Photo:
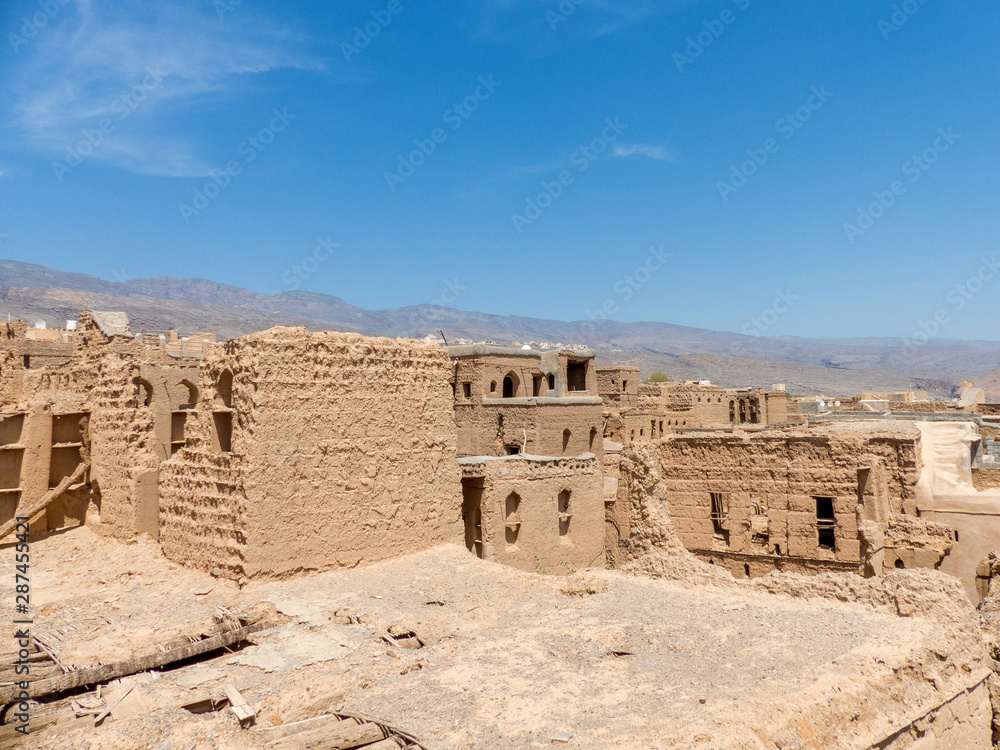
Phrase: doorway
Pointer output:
(472, 515)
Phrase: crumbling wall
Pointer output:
(986, 479)
(340, 450)
(913, 542)
(113, 383)
(652, 546)
(203, 510)
(765, 486)
(123, 443)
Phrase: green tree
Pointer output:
(657, 377)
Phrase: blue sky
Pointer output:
(561, 142)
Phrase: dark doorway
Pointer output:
(510, 383)
(472, 514)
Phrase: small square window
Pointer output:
(467, 390)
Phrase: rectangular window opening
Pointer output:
(826, 523)
(223, 431)
(467, 390)
(576, 376)
(720, 515)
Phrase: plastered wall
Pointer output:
(537, 514)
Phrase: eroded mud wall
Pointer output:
(337, 450)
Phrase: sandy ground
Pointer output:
(511, 659)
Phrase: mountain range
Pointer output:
(806, 365)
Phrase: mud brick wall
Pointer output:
(542, 542)
(492, 428)
(122, 443)
(789, 469)
(102, 382)
(202, 508)
(341, 446)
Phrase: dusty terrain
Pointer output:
(511, 659)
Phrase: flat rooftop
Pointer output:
(479, 350)
(511, 659)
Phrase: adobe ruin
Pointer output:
(288, 452)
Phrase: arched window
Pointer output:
(512, 518)
(566, 436)
(565, 512)
(224, 389)
(593, 437)
(145, 393)
(552, 382)
(192, 400)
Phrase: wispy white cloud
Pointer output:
(657, 153)
(549, 24)
(95, 61)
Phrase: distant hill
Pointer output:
(990, 383)
(834, 366)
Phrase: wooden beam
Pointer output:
(343, 736)
(239, 706)
(108, 672)
(125, 690)
(30, 509)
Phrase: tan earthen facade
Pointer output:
(830, 498)
(647, 411)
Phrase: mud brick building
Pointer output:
(287, 451)
(837, 497)
(530, 438)
(645, 411)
